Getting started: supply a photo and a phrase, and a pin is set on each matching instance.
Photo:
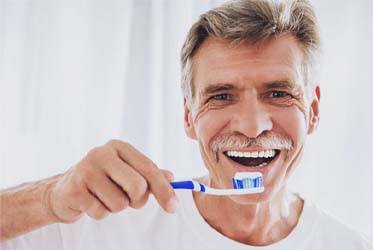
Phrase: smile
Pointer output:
(255, 159)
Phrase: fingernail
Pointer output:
(172, 205)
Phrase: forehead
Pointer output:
(276, 59)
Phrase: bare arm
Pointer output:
(25, 208)
(107, 180)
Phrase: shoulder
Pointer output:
(330, 231)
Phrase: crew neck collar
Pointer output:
(208, 235)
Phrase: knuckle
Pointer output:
(112, 142)
(97, 153)
(85, 206)
(140, 203)
(96, 158)
(70, 187)
(116, 142)
(89, 205)
(72, 191)
(120, 204)
(138, 189)
(83, 174)
(96, 211)
(148, 167)
(102, 215)
(99, 215)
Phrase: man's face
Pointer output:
(250, 112)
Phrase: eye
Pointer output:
(279, 94)
(221, 97)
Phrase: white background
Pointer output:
(74, 74)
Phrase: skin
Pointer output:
(107, 180)
(116, 175)
(247, 90)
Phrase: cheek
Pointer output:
(209, 123)
(292, 121)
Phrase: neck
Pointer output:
(257, 224)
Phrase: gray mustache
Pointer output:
(267, 139)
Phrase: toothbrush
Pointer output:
(243, 183)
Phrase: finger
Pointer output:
(97, 210)
(91, 205)
(108, 192)
(130, 181)
(168, 174)
(158, 183)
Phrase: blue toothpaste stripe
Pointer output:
(234, 183)
(247, 183)
(239, 183)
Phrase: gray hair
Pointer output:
(253, 21)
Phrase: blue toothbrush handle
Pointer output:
(191, 185)
(182, 185)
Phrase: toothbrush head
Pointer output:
(248, 180)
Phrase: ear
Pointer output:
(314, 113)
(188, 121)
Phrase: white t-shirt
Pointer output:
(152, 228)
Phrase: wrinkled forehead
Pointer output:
(276, 59)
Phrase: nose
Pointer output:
(251, 118)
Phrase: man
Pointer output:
(250, 100)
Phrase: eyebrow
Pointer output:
(215, 88)
(220, 87)
(286, 84)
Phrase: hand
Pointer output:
(107, 180)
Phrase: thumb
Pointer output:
(168, 174)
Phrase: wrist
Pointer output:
(25, 208)
(46, 199)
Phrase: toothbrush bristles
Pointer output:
(247, 182)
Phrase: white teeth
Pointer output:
(271, 153)
(262, 164)
(255, 154)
